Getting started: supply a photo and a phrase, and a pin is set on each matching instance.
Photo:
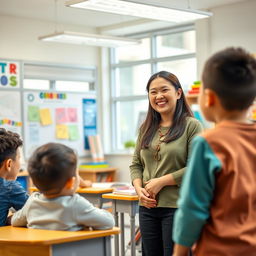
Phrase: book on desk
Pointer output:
(122, 188)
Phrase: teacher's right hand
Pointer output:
(145, 199)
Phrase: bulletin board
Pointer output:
(53, 117)
(10, 111)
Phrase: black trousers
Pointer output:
(156, 231)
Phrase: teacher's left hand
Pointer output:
(153, 186)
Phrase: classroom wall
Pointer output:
(19, 41)
(230, 25)
(122, 163)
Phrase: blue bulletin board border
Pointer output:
(89, 120)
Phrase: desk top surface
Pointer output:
(120, 197)
(21, 235)
(89, 190)
(97, 170)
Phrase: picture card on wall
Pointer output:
(73, 132)
(61, 116)
(45, 116)
(62, 131)
(72, 115)
(33, 114)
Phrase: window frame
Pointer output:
(153, 60)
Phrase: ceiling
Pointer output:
(55, 11)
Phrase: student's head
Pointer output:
(166, 97)
(10, 144)
(52, 168)
(229, 76)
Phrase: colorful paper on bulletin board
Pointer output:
(33, 114)
(72, 115)
(45, 116)
(61, 116)
(73, 132)
(89, 119)
(62, 131)
(9, 74)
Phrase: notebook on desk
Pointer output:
(122, 188)
(110, 184)
(125, 190)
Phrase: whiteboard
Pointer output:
(49, 117)
(10, 111)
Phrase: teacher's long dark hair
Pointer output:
(153, 118)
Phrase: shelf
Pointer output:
(99, 174)
(192, 98)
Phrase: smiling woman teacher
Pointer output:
(160, 159)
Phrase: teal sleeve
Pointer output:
(196, 193)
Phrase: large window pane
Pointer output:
(72, 86)
(176, 44)
(132, 80)
(185, 70)
(130, 115)
(133, 52)
(36, 84)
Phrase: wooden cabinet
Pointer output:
(99, 174)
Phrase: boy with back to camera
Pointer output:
(52, 168)
(217, 211)
(12, 194)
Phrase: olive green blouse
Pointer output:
(173, 159)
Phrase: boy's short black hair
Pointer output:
(231, 74)
(50, 167)
(9, 143)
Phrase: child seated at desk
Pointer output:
(12, 194)
(52, 168)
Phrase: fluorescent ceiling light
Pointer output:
(147, 9)
(88, 39)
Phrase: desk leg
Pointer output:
(132, 221)
(116, 236)
(122, 234)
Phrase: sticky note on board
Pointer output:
(72, 115)
(45, 116)
(33, 114)
(61, 116)
(62, 131)
(73, 132)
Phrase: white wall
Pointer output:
(230, 25)
(19, 41)
(122, 163)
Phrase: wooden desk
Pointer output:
(17, 241)
(93, 195)
(124, 204)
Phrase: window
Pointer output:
(59, 78)
(72, 86)
(36, 84)
(131, 66)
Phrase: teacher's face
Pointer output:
(163, 96)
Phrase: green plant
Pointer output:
(129, 144)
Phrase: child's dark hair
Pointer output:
(231, 74)
(9, 143)
(50, 167)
